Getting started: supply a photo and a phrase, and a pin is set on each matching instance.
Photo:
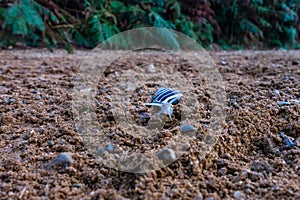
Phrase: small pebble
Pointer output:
(100, 151)
(199, 196)
(187, 128)
(239, 195)
(143, 116)
(10, 100)
(276, 152)
(105, 89)
(250, 97)
(77, 185)
(284, 103)
(167, 155)
(51, 143)
(26, 136)
(41, 130)
(287, 140)
(25, 101)
(62, 160)
(10, 193)
(275, 188)
(277, 93)
(151, 68)
(43, 96)
(260, 166)
(110, 148)
(35, 91)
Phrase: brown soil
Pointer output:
(42, 156)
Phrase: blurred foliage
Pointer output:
(258, 22)
(86, 23)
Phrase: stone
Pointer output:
(167, 155)
(239, 195)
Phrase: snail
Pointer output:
(165, 98)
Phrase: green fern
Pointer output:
(291, 34)
(22, 17)
(157, 20)
(248, 26)
(45, 12)
(265, 23)
(26, 18)
(78, 38)
(100, 30)
(90, 22)
(175, 9)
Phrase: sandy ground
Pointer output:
(257, 155)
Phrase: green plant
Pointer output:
(89, 22)
(203, 17)
(257, 22)
(25, 19)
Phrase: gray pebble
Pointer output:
(143, 116)
(186, 128)
(62, 160)
(105, 89)
(167, 155)
(151, 68)
(209, 198)
(100, 151)
(275, 188)
(199, 196)
(277, 93)
(239, 195)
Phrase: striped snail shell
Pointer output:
(165, 98)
